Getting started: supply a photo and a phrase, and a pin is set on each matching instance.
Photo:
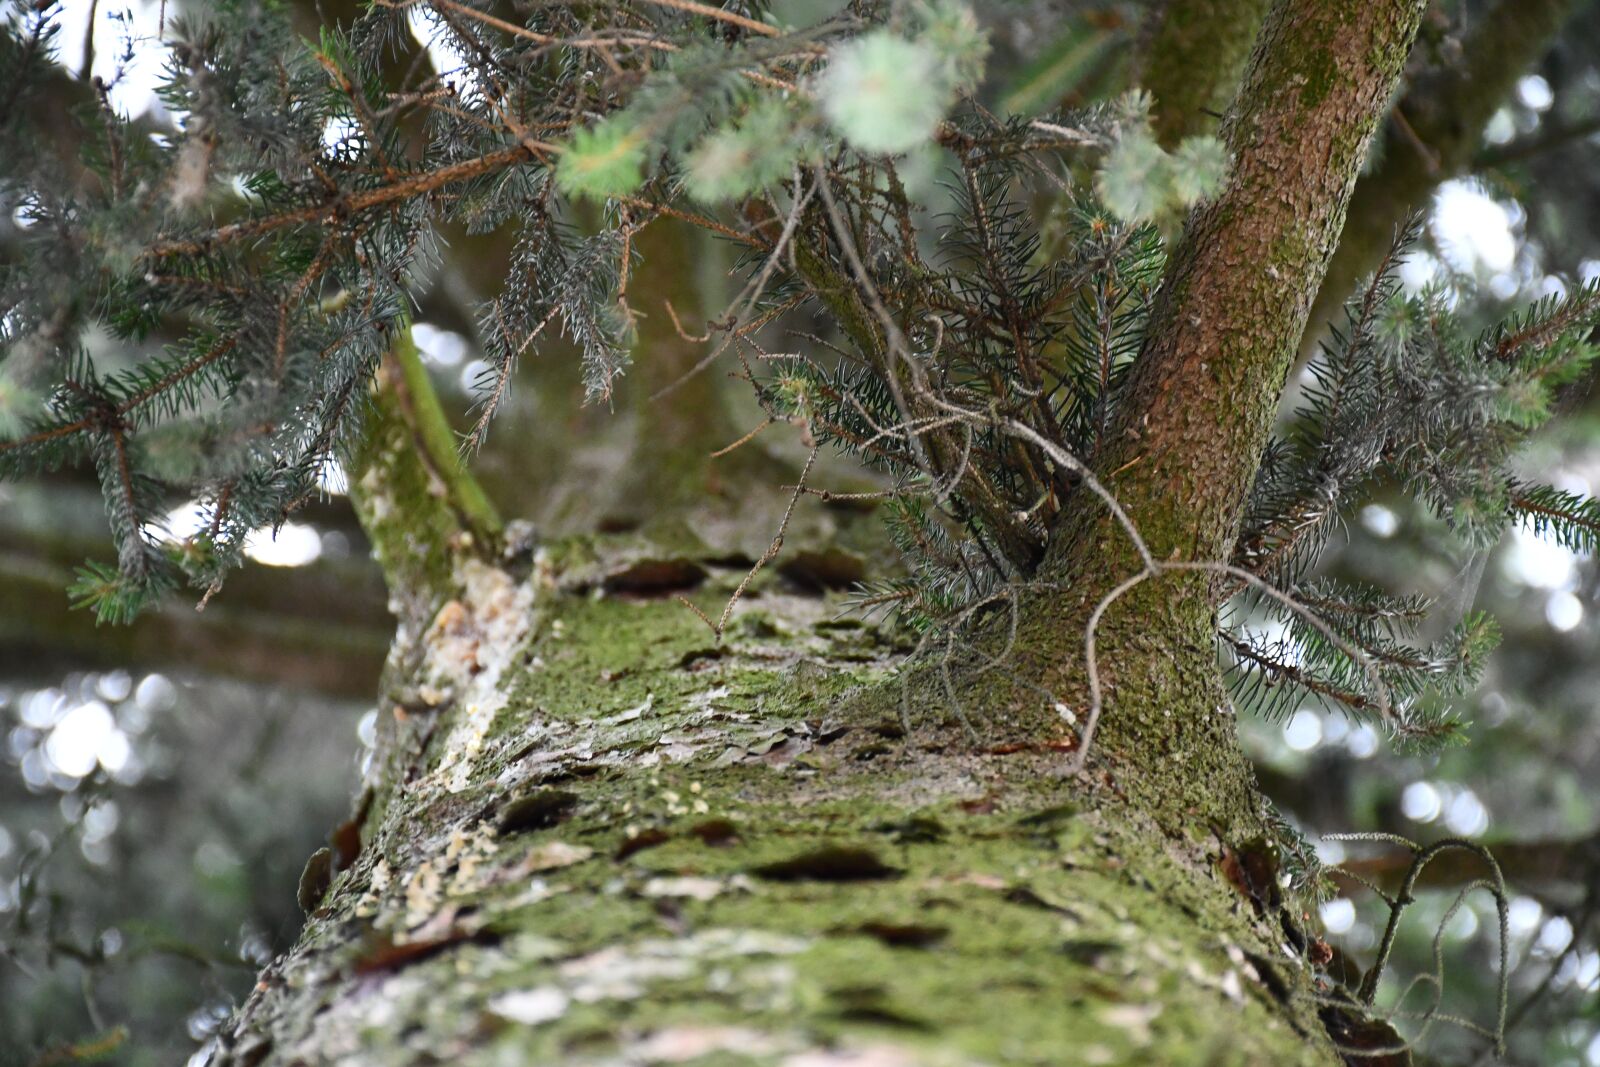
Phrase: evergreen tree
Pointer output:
(1039, 331)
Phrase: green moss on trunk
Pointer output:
(1241, 280)
(1198, 411)
(406, 504)
(743, 863)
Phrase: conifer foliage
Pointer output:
(988, 278)
(1401, 396)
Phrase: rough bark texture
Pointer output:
(596, 835)
(1436, 131)
(602, 838)
(1192, 57)
(1243, 276)
(1201, 402)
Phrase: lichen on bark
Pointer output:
(730, 860)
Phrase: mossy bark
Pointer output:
(412, 510)
(1240, 284)
(1199, 409)
(605, 838)
(594, 834)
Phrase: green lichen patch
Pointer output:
(641, 851)
(949, 958)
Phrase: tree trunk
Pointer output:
(594, 834)
(602, 837)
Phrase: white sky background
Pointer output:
(134, 83)
(134, 88)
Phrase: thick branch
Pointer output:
(436, 442)
(1199, 407)
(670, 468)
(1241, 282)
(417, 504)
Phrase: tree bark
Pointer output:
(1240, 284)
(1200, 405)
(594, 834)
(604, 838)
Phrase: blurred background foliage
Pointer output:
(161, 785)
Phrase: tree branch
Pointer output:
(1525, 863)
(1238, 288)
(436, 442)
(417, 504)
(1548, 139)
(320, 627)
(407, 188)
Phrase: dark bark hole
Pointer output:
(701, 658)
(1252, 870)
(642, 840)
(383, 954)
(755, 627)
(1357, 1036)
(830, 863)
(536, 811)
(1088, 951)
(904, 935)
(251, 1050)
(655, 577)
(823, 570)
(829, 733)
(916, 830)
(872, 1004)
(1028, 898)
(718, 833)
(1049, 817)
(1268, 973)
